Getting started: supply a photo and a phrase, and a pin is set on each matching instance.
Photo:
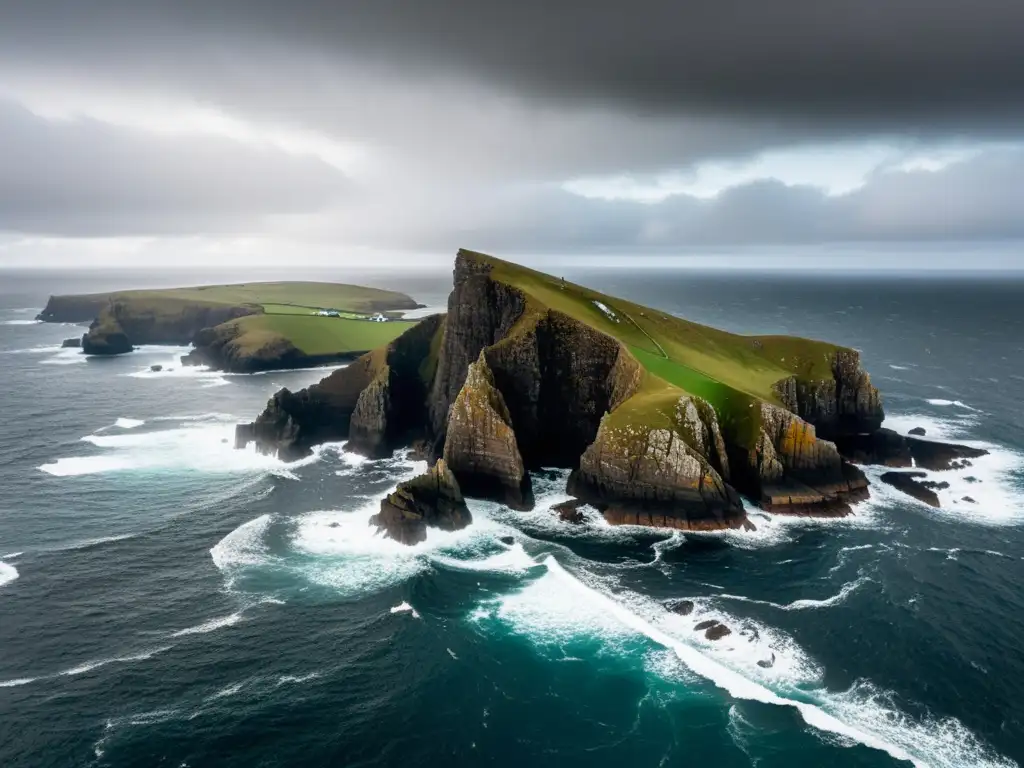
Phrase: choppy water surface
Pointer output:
(166, 600)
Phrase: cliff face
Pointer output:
(106, 337)
(72, 309)
(480, 445)
(375, 400)
(846, 404)
(664, 476)
(514, 378)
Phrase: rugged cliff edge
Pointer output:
(663, 422)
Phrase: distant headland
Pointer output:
(241, 328)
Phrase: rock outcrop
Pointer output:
(909, 483)
(106, 337)
(73, 309)
(432, 499)
(789, 469)
(72, 343)
(480, 444)
(891, 449)
(336, 409)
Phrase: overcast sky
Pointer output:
(171, 132)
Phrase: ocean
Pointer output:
(166, 600)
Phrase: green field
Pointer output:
(319, 335)
(730, 371)
(295, 295)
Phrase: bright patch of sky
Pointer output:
(176, 117)
(834, 169)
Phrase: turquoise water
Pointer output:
(166, 600)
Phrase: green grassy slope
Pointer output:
(319, 335)
(300, 296)
(730, 371)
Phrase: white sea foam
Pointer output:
(20, 322)
(514, 559)
(957, 403)
(171, 367)
(229, 690)
(243, 546)
(88, 666)
(123, 423)
(205, 446)
(996, 490)
(288, 679)
(66, 356)
(953, 427)
(404, 607)
(212, 625)
(900, 367)
(11, 555)
(805, 604)
(18, 682)
(8, 573)
(852, 715)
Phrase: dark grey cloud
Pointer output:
(86, 178)
(901, 65)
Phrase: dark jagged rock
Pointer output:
(935, 486)
(682, 607)
(156, 368)
(713, 629)
(908, 483)
(106, 337)
(891, 449)
(74, 343)
(972, 479)
(293, 422)
(569, 511)
(510, 540)
(767, 663)
(918, 432)
(432, 499)
(969, 500)
(480, 445)
(419, 450)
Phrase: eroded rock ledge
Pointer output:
(505, 383)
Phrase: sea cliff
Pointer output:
(526, 371)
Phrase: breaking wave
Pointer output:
(8, 573)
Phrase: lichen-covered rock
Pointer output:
(480, 446)
(789, 469)
(660, 476)
(432, 499)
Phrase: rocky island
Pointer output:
(662, 421)
(240, 328)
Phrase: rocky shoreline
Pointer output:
(500, 386)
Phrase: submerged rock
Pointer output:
(713, 629)
(432, 499)
(569, 511)
(908, 483)
(682, 607)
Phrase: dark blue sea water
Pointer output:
(168, 601)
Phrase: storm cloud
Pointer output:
(435, 125)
